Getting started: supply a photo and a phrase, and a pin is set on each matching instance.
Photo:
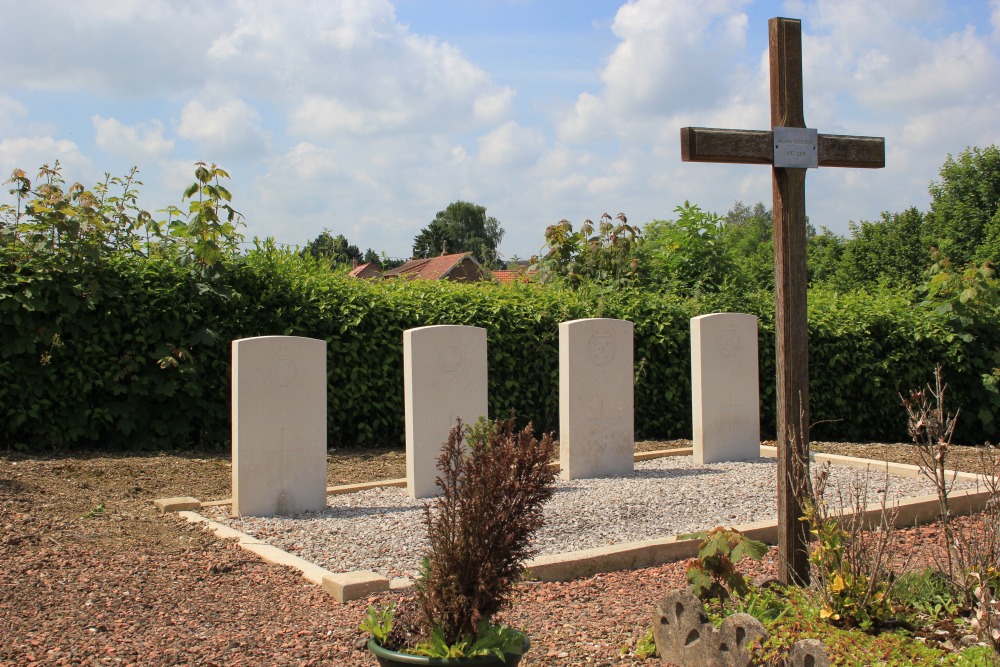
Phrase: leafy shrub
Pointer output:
(479, 529)
(115, 329)
(713, 574)
(851, 559)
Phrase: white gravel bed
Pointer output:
(382, 529)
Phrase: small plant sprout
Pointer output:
(378, 622)
(95, 512)
(713, 575)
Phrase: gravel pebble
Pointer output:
(382, 529)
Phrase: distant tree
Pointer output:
(686, 253)
(461, 227)
(824, 256)
(372, 257)
(389, 263)
(336, 249)
(963, 221)
(747, 236)
(892, 250)
(437, 238)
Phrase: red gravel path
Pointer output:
(92, 576)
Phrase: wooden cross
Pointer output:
(789, 152)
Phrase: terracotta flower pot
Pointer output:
(387, 658)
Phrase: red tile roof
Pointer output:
(366, 270)
(432, 268)
(508, 277)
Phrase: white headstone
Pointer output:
(444, 378)
(725, 396)
(596, 411)
(279, 425)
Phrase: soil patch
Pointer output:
(93, 575)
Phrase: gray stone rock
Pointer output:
(808, 653)
(737, 634)
(684, 636)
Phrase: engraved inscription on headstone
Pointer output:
(444, 378)
(279, 425)
(605, 429)
(729, 341)
(729, 414)
(596, 412)
(724, 389)
(282, 370)
(449, 358)
(601, 347)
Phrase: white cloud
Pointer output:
(614, 179)
(671, 55)
(326, 118)
(30, 153)
(510, 145)
(931, 75)
(11, 113)
(492, 106)
(884, 56)
(131, 142)
(429, 89)
(350, 66)
(228, 130)
(588, 121)
(130, 46)
(311, 163)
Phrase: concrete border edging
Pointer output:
(344, 587)
(897, 469)
(648, 553)
(347, 586)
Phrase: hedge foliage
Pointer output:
(134, 352)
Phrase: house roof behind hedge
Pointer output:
(431, 268)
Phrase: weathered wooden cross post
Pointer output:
(790, 148)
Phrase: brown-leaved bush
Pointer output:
(480, 527)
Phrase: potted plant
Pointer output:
(479, 531)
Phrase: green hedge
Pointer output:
(134, 353)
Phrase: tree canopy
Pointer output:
(336, 249)
(461, 227)
(963, 221)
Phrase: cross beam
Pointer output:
(707, 144)
(699, 144)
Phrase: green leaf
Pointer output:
(748, 548)
(700, 581)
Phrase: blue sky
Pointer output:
(366, 117)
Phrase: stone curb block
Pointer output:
(897, 469)
(363, 486)
(648, 553)
(177, 504)
(661, 453)
(626, 556)
(270, 554)
(349, 586)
